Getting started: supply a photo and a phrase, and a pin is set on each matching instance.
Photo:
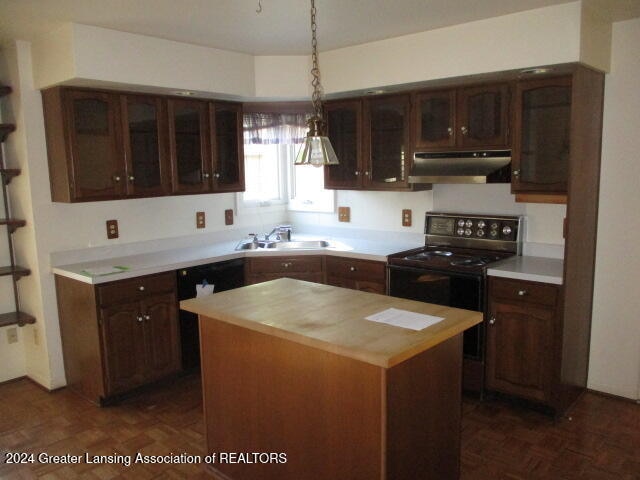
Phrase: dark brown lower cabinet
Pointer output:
(365, 275)
(119, 335)
(263, 269)
(525, 341)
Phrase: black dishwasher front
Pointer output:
(224, 276)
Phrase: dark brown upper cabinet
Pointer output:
(462, 118)
(227, 172)
(144, 126)
(344, 129)
(540, 162)
(372, 138)
(113, 145)
(387, 142)
(189, 146)
(84, 141)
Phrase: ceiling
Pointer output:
(282, 28)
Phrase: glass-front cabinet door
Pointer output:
(344, 129)
(188, 141)
(386, 145)
(227, 144)
(483, 116)
(434, 119)
(95, 144)
(143, 124)
(541, 150)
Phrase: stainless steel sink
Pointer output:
(301, 245)
(295, 245)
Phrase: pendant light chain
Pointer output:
(315, 71)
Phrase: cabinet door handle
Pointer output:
(356, 173)
(450, 131)
(286, 265)
(516, 173)
(141, 288)
(116, 178)
(216, 175)
(492, 320)
(366, 174)
(464, 130)
(131, 178)
(352, 269)
(147, 317)
(522, 293)
(205, 175)
(139, 318)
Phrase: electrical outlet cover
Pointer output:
(12, 335)
(228, 217)
(112, 229)
(200, 220)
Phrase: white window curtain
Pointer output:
(275, 128)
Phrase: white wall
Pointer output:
(534, 37)
(615, 337)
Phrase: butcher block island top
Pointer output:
(332, 319)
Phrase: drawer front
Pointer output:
(136, 288)
(356, 269)
(284, 265)
(523, 291)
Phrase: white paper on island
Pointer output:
(404, 319)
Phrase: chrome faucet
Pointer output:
(283, 233)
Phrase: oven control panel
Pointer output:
(473, 226)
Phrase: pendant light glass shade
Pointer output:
(316, 149)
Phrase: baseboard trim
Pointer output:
(42, 387)
(614, 396)
(13, 380)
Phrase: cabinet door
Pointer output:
(122, 329)
(541, 148)
(387, 142)
(160, 315)
(145, 138)
(519, 349)
(434, 119)
(344, 129)
(95, 145)
(227, 145)
(483, 116)
(189, 145)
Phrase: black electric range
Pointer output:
(451, 270)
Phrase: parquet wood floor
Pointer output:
(499, 441)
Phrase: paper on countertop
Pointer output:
(204, 289)
(99, 271)
(404, 319)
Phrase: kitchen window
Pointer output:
(272, 141)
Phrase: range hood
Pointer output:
(481, 166)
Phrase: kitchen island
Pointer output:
(293, 370)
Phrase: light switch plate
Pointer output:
(406, 217)
(12, 335)
(112, 229)
(200, 220)
(228, 217)
(344, 214)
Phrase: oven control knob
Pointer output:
(481, 224)
(480, 232)
(461, 223)
(506, 230)
(494, 226)
(468, 224)
(468, 232)
(460, 231)
(493, 233)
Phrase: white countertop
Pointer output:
(536, 269)
(174, 259)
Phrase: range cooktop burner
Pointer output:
(430, 254)
(471, 262)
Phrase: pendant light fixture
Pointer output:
(316, 149)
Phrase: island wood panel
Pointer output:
(333, 416)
